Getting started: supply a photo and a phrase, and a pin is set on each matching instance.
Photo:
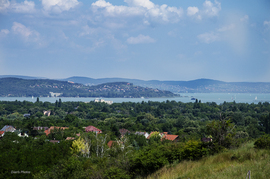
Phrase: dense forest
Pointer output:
(88, 155)
(46, 88)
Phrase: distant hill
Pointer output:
(46, 87)
(20, 76)
(193, 86)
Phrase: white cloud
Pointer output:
(25, 32)
(23, 7)
(144, 8)
(140, 39)
(141, 3)
(4, 5)
(267, 23)
(58, 6)
(87, 31)
(211, 9)
(4, 31)
(226, 28)
(208, 37)
(244, 19)
(192, 11)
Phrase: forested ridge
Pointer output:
(227, 124)
(15, 87)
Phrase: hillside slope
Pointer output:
(226, 165)
(16, 87)
(193, 86)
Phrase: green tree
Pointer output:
(222, 132)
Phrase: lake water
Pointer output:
(185, 97)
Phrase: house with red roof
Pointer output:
(110, 143)
(166, 136)
(93, 129)
(170, 137)
(48, 131)
(2, 133)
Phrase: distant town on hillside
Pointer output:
(193, 86)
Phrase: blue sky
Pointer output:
(224, 40)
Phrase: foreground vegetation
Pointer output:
(229, 125)
(234, 163)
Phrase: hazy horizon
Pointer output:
(39, 77)
(137, 39)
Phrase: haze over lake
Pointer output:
(185, 97)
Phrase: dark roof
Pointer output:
(54, 141)
(124, 131)
(40, 128)
(205, 139)
(8, 128)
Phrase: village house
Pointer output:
(166, 136)
(40, 128)
(110, 143)
(47, 113)
(206, 139)
(23, 134)
(8, 128)
(170, 137)
(2, 133)
(145, 134)
(26, 115)
(103, 101)
(55, 141)
(124, 132)
(93, 129)
(48, 131)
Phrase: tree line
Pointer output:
(88, 156)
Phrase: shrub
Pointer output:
(263, 142)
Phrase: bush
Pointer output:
(263, 142)
(193, 150)
(116, 173)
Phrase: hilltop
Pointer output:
(16, 87)
(193, 86)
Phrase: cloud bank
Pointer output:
(143, 8)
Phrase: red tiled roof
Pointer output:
(110, 143)
(55, 127)
(2, 132)
(170, 137)
(92, 129)
(48, 131)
